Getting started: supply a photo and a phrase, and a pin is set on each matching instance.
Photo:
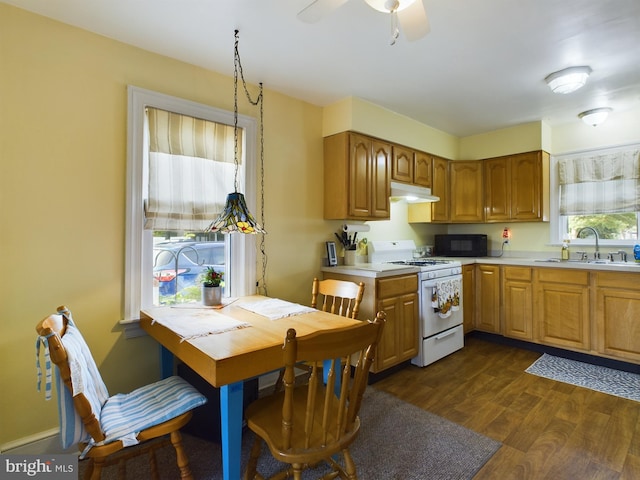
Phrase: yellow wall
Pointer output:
(63, 95)
(356, 114)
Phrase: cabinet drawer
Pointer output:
(517, 273)
(557, 275)
(394, 286)
(629, 281)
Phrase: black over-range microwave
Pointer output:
(460, 245)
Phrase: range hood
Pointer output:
(411, 193)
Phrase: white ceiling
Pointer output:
(481, 68)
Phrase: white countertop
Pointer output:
(374, 270)
(553, 262)
(380, 270)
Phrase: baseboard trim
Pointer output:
(558, 352)
(47, 441)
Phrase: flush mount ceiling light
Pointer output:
(594, 117)
(568, 80)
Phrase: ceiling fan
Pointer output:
(410, 15)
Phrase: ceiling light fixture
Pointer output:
(595, 117)
(568, 80)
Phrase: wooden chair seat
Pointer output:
(306, 424)
(166, 405)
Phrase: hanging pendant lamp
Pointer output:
(235, 217)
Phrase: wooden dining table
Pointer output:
(228, 358)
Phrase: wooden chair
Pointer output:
(172, 397)
(337, 296)
(307, 424)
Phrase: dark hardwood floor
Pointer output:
(549, 430)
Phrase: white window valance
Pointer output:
(190, 171)
(598, 183)
(179, 134)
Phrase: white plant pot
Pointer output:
(211, 296)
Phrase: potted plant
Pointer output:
(211, 290)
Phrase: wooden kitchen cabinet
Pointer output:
(411, 166)
(617, 315)
(487, 317)
(440, 188)
(517, 294)
(468, 297)
(423, 169)
(561, 310)
(516, 187)
(403, 162)
(397, 296)
(466, 202)
(357, 171)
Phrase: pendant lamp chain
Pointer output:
(235, 217)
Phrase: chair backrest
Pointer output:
(88, 402)
(337, 296)
(330, 420)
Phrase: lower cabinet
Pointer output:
(561, 310)
(617, 315)
(487, 315)
(468, 297)
(589, 311)
(518, 302)
(397, 296)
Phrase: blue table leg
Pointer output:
(231, 398)
(166, 362)
(326, 365)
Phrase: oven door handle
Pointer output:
(445, 334)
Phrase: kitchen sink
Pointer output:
(587, 262)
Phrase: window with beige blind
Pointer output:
(598, 189)
(180, 168)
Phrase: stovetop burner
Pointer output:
(420, 262)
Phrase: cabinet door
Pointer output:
(497, 189)
(422, 170)
(381, 172)
(468, 296)
(360, 175)
(467, 201)
(403, 163)
(409, 335)
(617, 313)
(440, 188)
(518, 303)
(526, 185)
(488, 298)
(389, 346)
(561, 310)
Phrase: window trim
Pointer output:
(557, 222)
(242, 262)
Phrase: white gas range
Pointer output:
(440, 297)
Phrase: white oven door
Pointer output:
(430, 319)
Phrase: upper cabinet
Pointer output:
(357, 171)
(403, 164)
(440, 188)
(466, 199)
(411, 166)
(516, 187)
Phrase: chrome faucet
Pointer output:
(596, 254)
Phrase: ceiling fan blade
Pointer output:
(318, 9)
(414, 21)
